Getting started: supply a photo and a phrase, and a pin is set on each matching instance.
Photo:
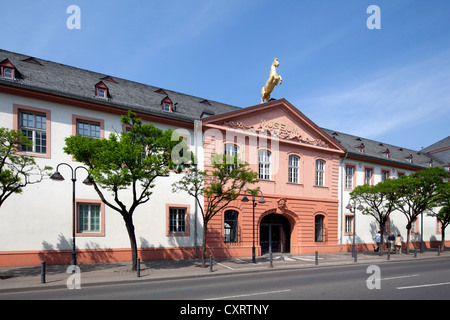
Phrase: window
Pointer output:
(177, 220)
(101, 93)
(318, 228)
(101, 90)
(349, 224)
(7, 69)
(320, 172)
(231, 150)
(384, 175)
(231, 226)
(89, 218)
(35, 123)
(349, 174)
(293, 169)
(8, 73)
(88, 129)
(167, 105)
(34, 126)
(264, 165)
(368, 173)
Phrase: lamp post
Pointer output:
(352, 208)
(261, 200)
(58, 177)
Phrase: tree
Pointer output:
(416, 193)
(378, 201)
(443, 214)
(218, 187)
(16, 171)
(130, 161)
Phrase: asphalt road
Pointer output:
(412, 280)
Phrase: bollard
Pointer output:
(356, 255)
(389, 254)
(43, 272)
(271, 259)
(439, 250)
(317, 258)
(210, 263)
(415, 253)
(138, 267)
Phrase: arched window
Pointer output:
(264, 165)
(293, 169)
(318, 228)
(320, 173)
(231, 226)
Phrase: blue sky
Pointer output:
(391, 84)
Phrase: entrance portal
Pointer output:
(275, 234)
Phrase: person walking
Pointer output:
(377, 239)
(398, 244)
(391, 241)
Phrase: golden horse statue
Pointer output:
(274, 79)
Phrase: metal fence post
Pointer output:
(43, 272)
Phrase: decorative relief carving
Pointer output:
(280, 130)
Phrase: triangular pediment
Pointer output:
(278, 119)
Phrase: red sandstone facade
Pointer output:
(299, 182)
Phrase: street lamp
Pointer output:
(58, 177)
(261, 200)
(352, 208)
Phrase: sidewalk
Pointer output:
(19, 278)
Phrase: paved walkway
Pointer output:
(20, 278)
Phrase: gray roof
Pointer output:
(58, 79)
(375, 150)
(440, 149)
(77, 83)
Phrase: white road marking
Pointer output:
(249, 294)
(400, 277)
(425, 285)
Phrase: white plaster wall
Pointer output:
(41, 217)
(366, 225)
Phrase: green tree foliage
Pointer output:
(127, 165)
(417, 193)
(16, 171)
(216, 187)
(378, 202)
(442, 209)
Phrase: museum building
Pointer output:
(305, 172)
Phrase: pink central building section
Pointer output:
(298, 167)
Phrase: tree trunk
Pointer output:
(408, 232)
(132, 236)
(205, 228)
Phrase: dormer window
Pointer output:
(167, 105)
(387, 153)
(7, 69)
(101, 90)
(362, 148)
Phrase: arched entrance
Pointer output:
(275, 234)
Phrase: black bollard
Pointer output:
(138, 267)
(356, 255)
(271, 259)
(439, 250)
(317, 258)
(43, 272)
